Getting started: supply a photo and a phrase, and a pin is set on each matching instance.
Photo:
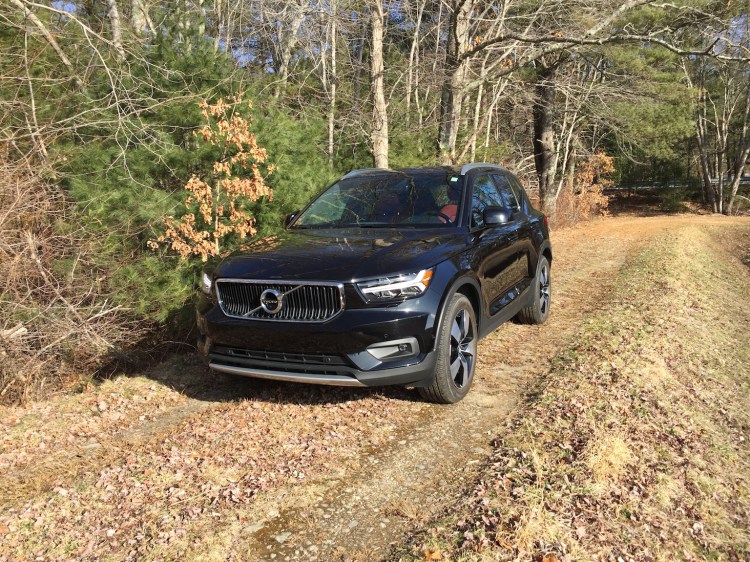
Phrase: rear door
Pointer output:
(522, 236)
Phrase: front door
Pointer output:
(500, 248)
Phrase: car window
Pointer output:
(386, 199)
(523, 200)
(485, 195)
(506, 192)
(326, 210)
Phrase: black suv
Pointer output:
(387, 277)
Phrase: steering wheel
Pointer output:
(441, 215)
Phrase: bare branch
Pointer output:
(28, 14)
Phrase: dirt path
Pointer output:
(264, 471)
(430, 461)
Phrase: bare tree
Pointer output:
(28, 14)
(281, 23)
(379, 129)
(722, 123)
(455, 78)
(113, 13)
(541, 36)
(332, 81)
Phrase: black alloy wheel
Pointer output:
(538, 311)
(457, 352)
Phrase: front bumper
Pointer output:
(341, 374)
(360, 347)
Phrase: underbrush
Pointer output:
(635, 447)
(56, 320)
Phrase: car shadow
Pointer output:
(165, 357)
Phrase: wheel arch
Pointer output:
(472, 293)
(546, 251)
(467, 286)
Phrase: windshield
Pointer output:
(386, 199)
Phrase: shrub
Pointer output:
(217, 209)
(55, 322)
(586, 198)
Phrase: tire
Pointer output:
(457, 351)
(538, 311)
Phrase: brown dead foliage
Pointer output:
(585, 199)
(216, 206)
(53, 323)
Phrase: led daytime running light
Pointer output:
(395, 287)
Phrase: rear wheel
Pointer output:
(457, 352)
(538, 311)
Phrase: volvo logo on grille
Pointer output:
(272, 301)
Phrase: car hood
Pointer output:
(341, 255)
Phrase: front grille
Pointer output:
(301, 302)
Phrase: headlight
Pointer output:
(206, 283)
(395, 287)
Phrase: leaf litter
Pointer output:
(633, 447)
(152, 467)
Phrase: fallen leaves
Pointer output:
(631, 448)
(163, 469)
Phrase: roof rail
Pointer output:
(363, 171)
(468, 167)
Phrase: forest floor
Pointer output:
(620, 429)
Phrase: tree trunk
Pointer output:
(451, 98)
(544, 137)
(412, 56)
(138, 17)
(743, 153)
(379, 129)
(358, 70)
(709, 195)
(113, 13)
(218, 16)
(287, 41)
(332, 90)
(708, 188)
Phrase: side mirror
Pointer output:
(494, 216)
(290, 217)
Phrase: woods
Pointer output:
(100, 102)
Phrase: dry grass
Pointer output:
(635, 447)
(607, 457)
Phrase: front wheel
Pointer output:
(457, 351)
(538, 311)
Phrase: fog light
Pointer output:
(385, 352)
(390, 350)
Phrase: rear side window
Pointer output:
(523, 199)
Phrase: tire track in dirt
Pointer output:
(184, 392)
(432, 461)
